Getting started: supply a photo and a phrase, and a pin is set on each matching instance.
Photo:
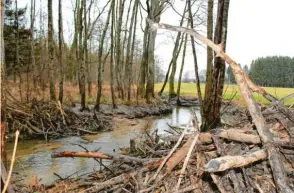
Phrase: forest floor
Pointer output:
(230, 91)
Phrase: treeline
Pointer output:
(270, 71)
(273, 71)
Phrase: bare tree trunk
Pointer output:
(3, 87)
(18, 65)
(213, 101)
(174, 60)
(61, 49)
(100, 52)
(195, 58)
(143, 67)
(118, 65)
(51, 52)
(181, 70)
(82, 76)
(32, 16)
(156, 9)
(207, 102)
(112, 10)
(169, 67)
(129, 56)
(85, 50)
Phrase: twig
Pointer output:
(189, 153)
(12, 162)
(172, 151)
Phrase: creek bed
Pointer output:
(33, 157)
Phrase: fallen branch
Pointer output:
(12, 162)
(245, 88)
(228, 162)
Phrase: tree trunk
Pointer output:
(211, 117)
(174, 60)
(51, 52)
(118, 65)
(60, 36)
(32, 16)
(100, 52)
(156, 9)
(112, 9)
(181, 70)
(17, 68)
(3, 88)
(195, 58)
(85, 50)
(82, 75)
(207, 102)
(129, 56)
(169, 67)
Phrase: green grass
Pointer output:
(189, 90)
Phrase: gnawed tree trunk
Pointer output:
(181, 70)
(51, 52)
(100, 52)
(211, 117)
(61, 49)
(266, 136)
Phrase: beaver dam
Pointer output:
(141, 152)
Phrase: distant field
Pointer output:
(189, 89)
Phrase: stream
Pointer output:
(33, 157)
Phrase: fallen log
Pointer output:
(231, 134)
(109, 156)
(228, 162)
(246, 85)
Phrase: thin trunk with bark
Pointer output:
(32, 46)
(51, 52)
(129, 56)
(60, 36)
(207, 102)
(100, 52)
(174, 60)
(112, 54)
(181, 70)
(195, 58)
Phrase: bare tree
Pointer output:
(100, 52)
(174, 60)
(129, 56)
(32, 17)
(61, 49)
(112, 9)
(213, 99)
(51, 52)
(181, 70)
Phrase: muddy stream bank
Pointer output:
(33, 158)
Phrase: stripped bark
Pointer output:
(228, 162)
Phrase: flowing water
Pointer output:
(33, 157)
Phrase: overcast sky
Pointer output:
(256, 28)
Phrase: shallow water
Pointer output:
(33, 157)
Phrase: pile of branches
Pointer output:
(225, 160)
(51, 120)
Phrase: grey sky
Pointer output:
(256, 28)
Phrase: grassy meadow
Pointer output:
(189, 90)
